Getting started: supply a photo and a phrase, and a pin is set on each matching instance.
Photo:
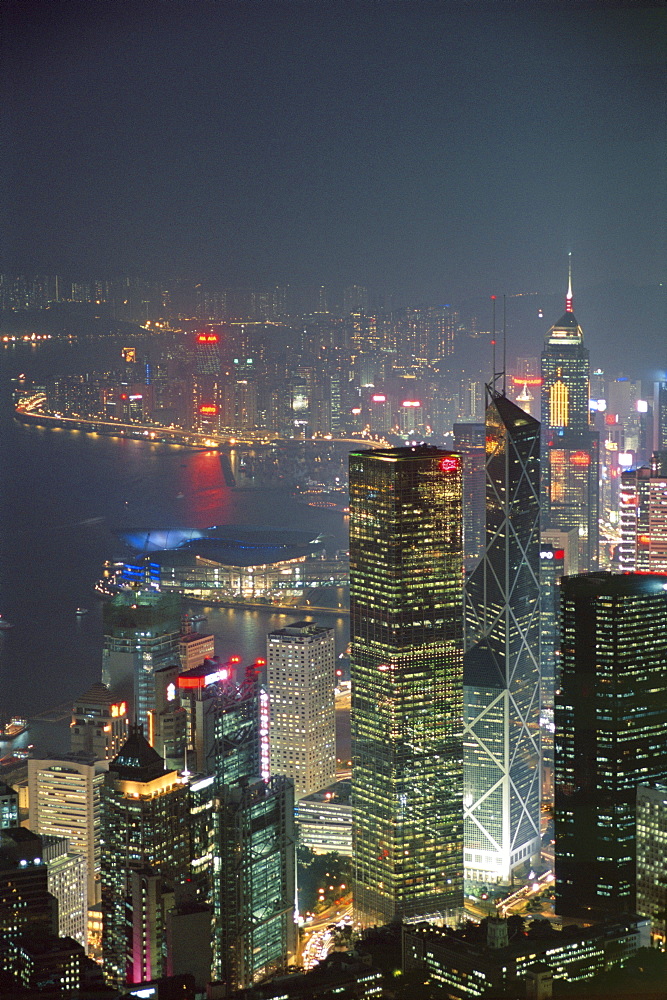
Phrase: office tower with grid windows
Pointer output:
(406, 580)
(65, 801)
(502, 661)
(254, 855)
(611, 733)
(643, 516)
(652, 859)
(301, 676)
(145, 813)
(142, 631)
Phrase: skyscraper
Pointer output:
(145, 813)
(142, 631)
(652, 858)
(501, 665)
(611, 733)
(643, 516)
(65, 801)
(301, 677)
(254, 858)
(570, 467)
(406, 628)
(566, 375)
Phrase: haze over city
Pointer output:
(333, 492)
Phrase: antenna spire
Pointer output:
(568, 297)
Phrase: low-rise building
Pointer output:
(468, 968)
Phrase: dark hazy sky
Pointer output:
(437, 149)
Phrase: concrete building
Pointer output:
(301, 677)
(99, 723)
(652, 858)
(65, 801)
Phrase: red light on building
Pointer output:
(528, 380)
(449, 464)
(234, 659)
(190, 682)
(208, 409)
(260, 662)
(123, 395)
(207, 338)
(580, 458)
(611, 419)
(559, 553)
(643, 540)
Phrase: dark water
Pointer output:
(63, 497)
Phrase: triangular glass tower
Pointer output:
(501, 664)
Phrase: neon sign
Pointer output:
(208, 409)
(449, 464)
(208, 338)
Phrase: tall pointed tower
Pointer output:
(570, 467)
(501, 673)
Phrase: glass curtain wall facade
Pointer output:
(406, 631)
(502, 662)
(254, 855)
(611, 733)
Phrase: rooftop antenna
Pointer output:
(568, 297)
(504, 345)
(493, 342)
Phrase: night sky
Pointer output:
(435, 149)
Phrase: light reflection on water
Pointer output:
(64, 499)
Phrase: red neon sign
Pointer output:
(208, 408)
(580, 458)
(207, 338)
(449, 464)
(559, 554)
(611, 419)
(528, 380)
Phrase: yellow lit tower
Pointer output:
(570, 448)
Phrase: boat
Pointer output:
(81, 611)
(14, 728)
(4, 623)
(198, 618)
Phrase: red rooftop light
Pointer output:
(449, 464)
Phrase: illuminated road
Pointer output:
(318, 936)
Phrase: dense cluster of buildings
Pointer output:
(508, 711)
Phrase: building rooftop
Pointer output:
(617, 584)
(406, 453)
(301, 629)
(137, 760)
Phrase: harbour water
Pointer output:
(65, 496)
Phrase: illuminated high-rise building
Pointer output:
(145, 812)
(652, 859)
(301, 677)
(643, 516)
(406, 631)
(501, 664)
(99, 724)
(566, 375)
(142, 631)
(570, 449)
(611, 733)
(254, 855)
(65, 801)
